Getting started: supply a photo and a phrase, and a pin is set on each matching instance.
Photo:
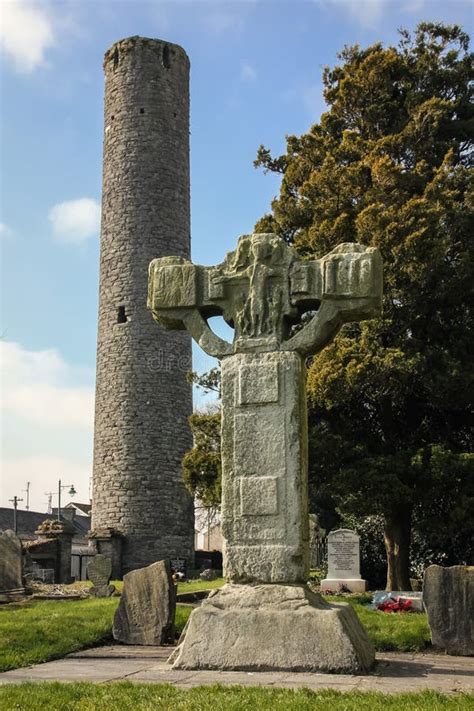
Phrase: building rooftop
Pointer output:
(28, 522)
(82, 509)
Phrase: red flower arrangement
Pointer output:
(396, 604)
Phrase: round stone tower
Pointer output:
(142, 397)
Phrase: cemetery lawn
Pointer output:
(129, 696)
(196, 585)
(38, 631)
(390, 631)
(41, 630)
(191, 586)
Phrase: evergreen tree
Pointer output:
(390, 165)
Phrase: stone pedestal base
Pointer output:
(355, 585)
(273, 627)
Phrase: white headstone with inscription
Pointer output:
(343, 562)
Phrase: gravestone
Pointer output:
(11, 580)
(266, 617)
(179, 565)
(343, 562)
(99, 570)
(147, 607)
(448, 596)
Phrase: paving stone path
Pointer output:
(394, 672)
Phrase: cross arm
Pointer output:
(180, 297)
(345, 285)
(264, 292)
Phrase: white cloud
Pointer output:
(51, 405)
(74, 221)
(248, 72)
(26, 33)
(366, 13)
(40, 388)
(5, 231)
(47, 411)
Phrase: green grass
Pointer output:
(192, 586)
(196, 585)
(182, 614)
(390, 632)
(38, 631)
(128, 696)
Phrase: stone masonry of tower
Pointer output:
(143, 399)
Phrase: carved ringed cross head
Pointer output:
(265, 291)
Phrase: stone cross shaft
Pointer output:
(282, 309)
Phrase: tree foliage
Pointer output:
(208, 382)
(202, 464)
(389, 165)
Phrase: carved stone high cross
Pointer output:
(262, 290)
(282, 309)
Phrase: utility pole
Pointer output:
(15, 501)
(59, 500)
(50, 495)
(27, 492)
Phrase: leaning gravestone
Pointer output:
(343, 562)
(11, 581)
(147, 607)
(266, 617)
(448, 596)
(99, 570)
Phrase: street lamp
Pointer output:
(72, 491)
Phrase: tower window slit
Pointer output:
(165, 57)
(121, 315)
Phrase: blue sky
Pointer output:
(256, 70)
